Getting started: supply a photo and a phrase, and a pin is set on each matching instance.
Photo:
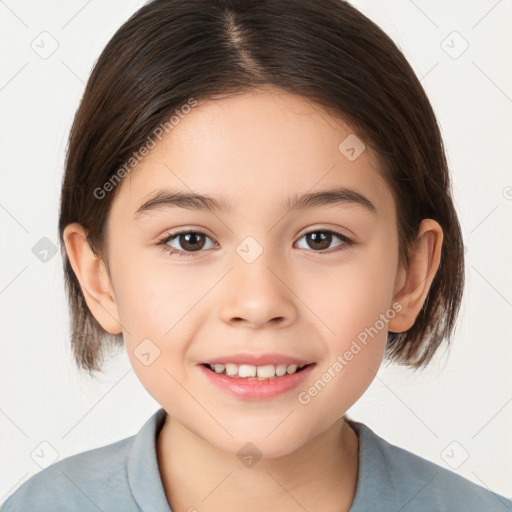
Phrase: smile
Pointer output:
(250, 382)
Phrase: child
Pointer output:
(257, 131)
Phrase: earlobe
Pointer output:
(93, 278)
(414, 282)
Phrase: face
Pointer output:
(258, 280)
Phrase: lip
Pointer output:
(257, 359)
(254, 389)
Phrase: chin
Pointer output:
(271, 440)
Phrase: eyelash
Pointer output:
(347, 242)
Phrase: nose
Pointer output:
(258, 293)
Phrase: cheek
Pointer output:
(358, 313)
(354, 303)
(348, 296)
(155, 297)
(158, 310)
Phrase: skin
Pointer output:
(254, 150)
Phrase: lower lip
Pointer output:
(254, 389)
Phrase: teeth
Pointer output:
(280, 370)
(218, 368)
(266, 372)
(269, 371)
(291, 369)
(246, 370)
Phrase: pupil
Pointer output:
(320, 238)
(192, 245)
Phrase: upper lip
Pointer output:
(257, 359)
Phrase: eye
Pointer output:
(194, 241)
(322, 239)
(190, 241)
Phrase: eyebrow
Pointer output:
(165, 198)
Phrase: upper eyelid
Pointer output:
(335, 232)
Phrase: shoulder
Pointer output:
(92, 480)
(412, 483)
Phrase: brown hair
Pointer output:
(323, 50)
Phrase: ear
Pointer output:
(93, 277)
(414, 281)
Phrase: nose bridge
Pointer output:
(255, 291)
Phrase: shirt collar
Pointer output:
(142, 467)
(374, 484)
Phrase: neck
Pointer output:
(320, 476)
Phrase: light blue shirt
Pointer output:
(124, 476)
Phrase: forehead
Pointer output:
(256, 148)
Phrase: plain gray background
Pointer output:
(457, 413)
